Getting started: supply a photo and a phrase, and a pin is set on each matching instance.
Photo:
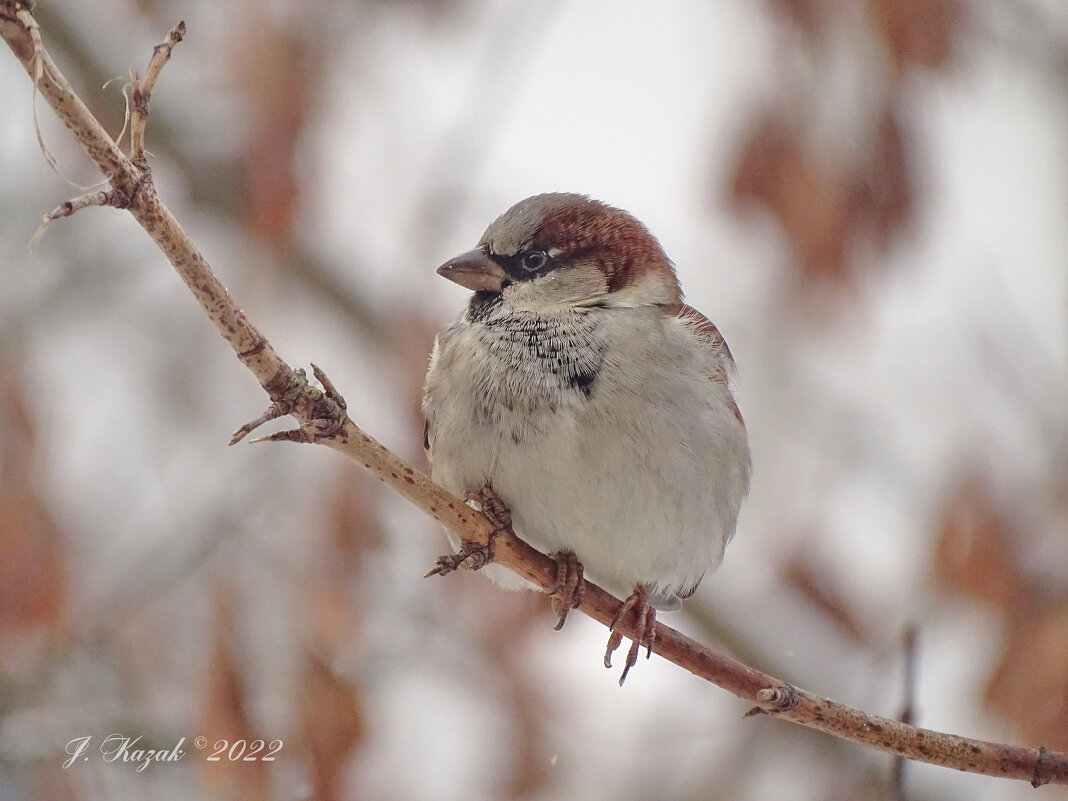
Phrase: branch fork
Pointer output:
(322, 411)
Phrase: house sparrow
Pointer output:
(596, 404)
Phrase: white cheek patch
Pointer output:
(558, 289)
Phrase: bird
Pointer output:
(580, 395)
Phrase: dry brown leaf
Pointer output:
(275, 74)
(33, 578)
(884, 191)
(817, 586)
(810, 201)
(355, 528)
(332, 723)
(974, 556)
(917, 32)
(1030, 685)
(226, 719)
(825, 205)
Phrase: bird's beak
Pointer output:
(476, 271)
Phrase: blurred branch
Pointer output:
(322, 419)
(908, 710)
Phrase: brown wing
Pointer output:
(710, 336)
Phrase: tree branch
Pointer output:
(142, 92)
(322, 419)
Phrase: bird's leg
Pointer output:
(474, 555)
(644, 630)
(569, 590)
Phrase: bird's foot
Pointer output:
(569, 590)
(487, 501)
(471, 556)
(644, 630)
(474, 555)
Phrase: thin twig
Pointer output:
(322, 419)
(74, 205)
(908, 710)
(370, 322)
(142, 92)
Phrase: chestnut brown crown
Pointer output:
(594, 254)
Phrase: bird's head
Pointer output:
(561, 250)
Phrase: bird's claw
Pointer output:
(569, 591)
(644, 630)
(471, 556)
(474, 555)
(487, 501)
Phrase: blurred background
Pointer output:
(869, 199)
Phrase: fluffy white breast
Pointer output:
(607, 431)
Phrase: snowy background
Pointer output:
(869, 199)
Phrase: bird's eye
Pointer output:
(534, 260)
